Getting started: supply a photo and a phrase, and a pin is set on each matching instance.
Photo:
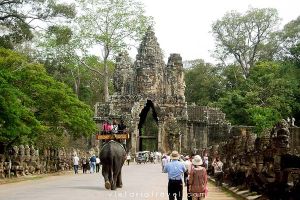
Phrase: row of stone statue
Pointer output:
(25, 160)
(262, 164)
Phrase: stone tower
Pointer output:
(150, 84)
(149, 67)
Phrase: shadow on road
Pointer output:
(86, 188)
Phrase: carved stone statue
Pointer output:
(2, 159)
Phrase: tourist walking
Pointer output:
(188, 165)
(75, 163)
(197, 179)
(164, 161)
(128, 158)
(175, 170)
(97, 164)
(218, 170)
(93, 163)
(84, 165)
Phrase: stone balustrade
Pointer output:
(269, 165)
(26, 160)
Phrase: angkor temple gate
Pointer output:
(149, 87)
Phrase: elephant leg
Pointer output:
(106, 174)
(119, 180)
(111, 179)
(116, 173)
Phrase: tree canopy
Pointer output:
(19, 17)
(246, 37)
(113, 26)
(34, 103)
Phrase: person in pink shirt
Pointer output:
(106, 127)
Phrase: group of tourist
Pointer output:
(194, 169)
(113, 127)
(92, 164)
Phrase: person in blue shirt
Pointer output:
(93, 164)
(175, 170)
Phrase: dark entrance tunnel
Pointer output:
(143, 116)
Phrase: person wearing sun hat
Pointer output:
(197, 179)
(175, 170)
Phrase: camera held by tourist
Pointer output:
(218, 170)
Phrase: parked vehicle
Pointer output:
(142, 157)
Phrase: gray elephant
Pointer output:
(112, 156)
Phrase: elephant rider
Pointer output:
(106, 127)
(122, 129)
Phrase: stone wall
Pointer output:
(26, 160)
(269, 165)
(207, 125)
(295, 140)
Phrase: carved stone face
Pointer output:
(21, 150)
(16, 150)
(282, 139)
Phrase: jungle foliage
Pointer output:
(49, 78)
(261, 84)
(34, 104)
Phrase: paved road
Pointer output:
(140, 182)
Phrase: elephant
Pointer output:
(112, 157)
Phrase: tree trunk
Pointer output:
(106, 80)
(106, 94)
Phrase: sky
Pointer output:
(183, 26)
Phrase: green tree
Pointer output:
(233, 103)
(112, 26)
(232, 77)
(58, 50)
(19, 17)
(266, 96)
(202, 83)
(17, 122)
(38, 104)
(246, 37)
(291, 39)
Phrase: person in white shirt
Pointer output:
(128, 158)
(114, 127)
(218, 170)
(75, 163)
(164, 161)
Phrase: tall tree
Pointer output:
(267, 95)
(291, 39)
(111, 25)
(19, 17)
(35, 103)
(246, 37)
(202, 82)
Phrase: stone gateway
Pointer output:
(150, 85)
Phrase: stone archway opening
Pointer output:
(148, 128)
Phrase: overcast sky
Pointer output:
(183, 26)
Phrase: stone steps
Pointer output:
(214, 193)
(242, 194)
